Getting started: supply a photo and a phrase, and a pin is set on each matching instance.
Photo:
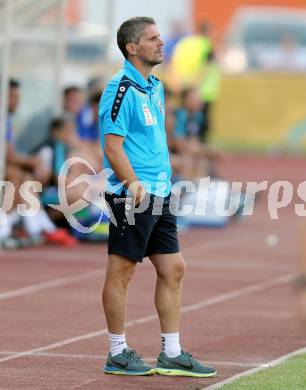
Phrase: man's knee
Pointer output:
(179, 269)
(120, 270)
(174, 271)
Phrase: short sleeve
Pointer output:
(115, 110)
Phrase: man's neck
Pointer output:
(142, 68)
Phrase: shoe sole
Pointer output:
(176, 372)
(118, 371)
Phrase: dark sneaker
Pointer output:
(183, 365)
(127, 363)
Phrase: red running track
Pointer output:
(238, 303)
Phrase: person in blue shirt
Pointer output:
(87, 120)
(132, 125)
(190, 117)
(190, 140)
(20, 168)
(14, 160)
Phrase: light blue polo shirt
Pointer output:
(134, 108)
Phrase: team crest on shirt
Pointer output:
(147, 115)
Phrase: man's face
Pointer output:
(13, 99)
(149, 49)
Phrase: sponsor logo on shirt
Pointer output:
(161, 107)
(147, 115)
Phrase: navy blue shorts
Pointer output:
(141, 234)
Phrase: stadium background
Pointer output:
(50, 295)
(89, 38)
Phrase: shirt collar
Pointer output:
(138, 77)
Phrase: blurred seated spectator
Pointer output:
(88, 124)
(87, 120)
(184, 152)
(192, 159)
(189, 117)
(85, 115)
(20, 168)
(65, 144)
(198, 160)
(73, 100)
(31, 163)
(36, 131)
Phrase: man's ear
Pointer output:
(131, 49)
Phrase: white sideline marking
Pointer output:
(83, 384)
(215, 264)
(50, 284)
(272, 363)
(70, 255)
(57, 256)
(71, 279)
(238, 293)
(101, 356)
(236, 264)
(215, 244)
(143, 320)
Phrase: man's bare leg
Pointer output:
(118, 274)
(173, 360)
(170, 269)
(121, 359)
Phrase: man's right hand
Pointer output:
(138, 192)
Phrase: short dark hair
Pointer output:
(57, 123)
(14, 83)
(130, 31)
(185, 92)
(95, 98)
(71, 88)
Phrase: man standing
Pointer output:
(134, 142)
